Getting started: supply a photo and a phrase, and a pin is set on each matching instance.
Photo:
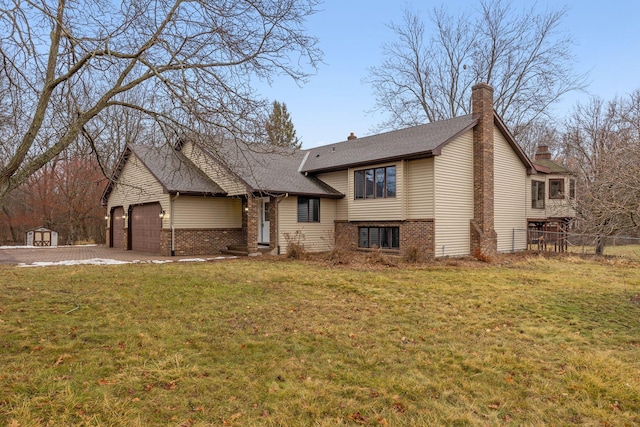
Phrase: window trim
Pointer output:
(538, 184)
(362, 191)
(309, 210)
(561, 194)
(392, 233)
(572, 188)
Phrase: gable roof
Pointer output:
(415, 142)
(268, 169)
(405, 144)
(174, 172)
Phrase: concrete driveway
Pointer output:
(98, 254)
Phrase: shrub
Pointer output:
(295, 249)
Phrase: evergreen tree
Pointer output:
(280, 127)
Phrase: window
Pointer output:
(572, 188)
(308, 209)
(537, 194)
(556, 188)
(379, 237)
(378, 183)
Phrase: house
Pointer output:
(551, 204)
(450, 188)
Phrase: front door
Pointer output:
(264, 223)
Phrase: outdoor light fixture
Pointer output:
(124, 216)
(161, 215)
(106, 218)
(246, 209)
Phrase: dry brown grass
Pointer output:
(523, 341)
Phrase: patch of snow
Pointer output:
(92, 261)
(103, 261)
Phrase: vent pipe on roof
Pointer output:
(351, 136)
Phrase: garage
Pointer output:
(145, 226)
(117, 228)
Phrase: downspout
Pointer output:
(173, 229)
(278, 200)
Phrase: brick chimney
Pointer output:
(543, 153)
(351, 136)
(483, 235)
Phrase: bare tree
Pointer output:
(602, 142)
(184, 65)
(428, 72)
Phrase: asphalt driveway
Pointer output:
(89, 254)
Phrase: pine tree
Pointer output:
(280, 127)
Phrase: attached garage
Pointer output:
(116, 228)
(145, 225)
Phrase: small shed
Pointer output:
(42, 237)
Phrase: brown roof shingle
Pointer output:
(414, 142)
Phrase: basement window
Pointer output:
(556, 188)
(379, 237)
(537, 194)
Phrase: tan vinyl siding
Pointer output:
(419, 189)
(376, 209)
(218, 173)
(314, 236)
(510, 185)
(201, 212)
(340, 182)
(453, 173)
(559, 208)
(136, 185)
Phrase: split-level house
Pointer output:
(450, 188)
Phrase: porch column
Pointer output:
(250, 223)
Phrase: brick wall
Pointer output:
(483, 235)
(415, 233)
(250, 223)
(199, 241)
(273, 224)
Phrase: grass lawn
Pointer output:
(631, 252)
(526, 342)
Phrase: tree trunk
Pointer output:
(600, 245)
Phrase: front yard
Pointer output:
(532, 341)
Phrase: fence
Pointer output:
(586, 244)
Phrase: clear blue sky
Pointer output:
(336, 102)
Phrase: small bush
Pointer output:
(295, 249)
(377, 257)
(481, 256)
(412, 255)
(342, 252)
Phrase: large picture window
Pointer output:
(308, 209)
(556, 188)
(379, 237)
(375, 183)
(537, 194)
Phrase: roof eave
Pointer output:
(412, 156)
